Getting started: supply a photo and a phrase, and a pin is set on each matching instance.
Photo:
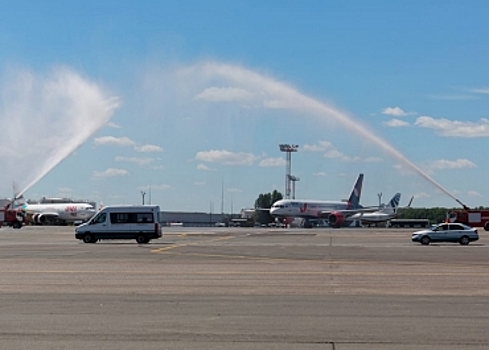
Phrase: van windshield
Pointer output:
(99, 218)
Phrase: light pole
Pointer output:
(288, 149)
(142, 195)
(294, 179)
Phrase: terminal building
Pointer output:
(201, 219)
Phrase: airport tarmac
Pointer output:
(241, 289)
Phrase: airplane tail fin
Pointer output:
(356, 192)
(393, 204)
(18, 198)
(410, 202)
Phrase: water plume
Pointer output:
(270, 93)
(44, 119)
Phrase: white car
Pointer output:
(446, 232)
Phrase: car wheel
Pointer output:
(425, 240)
(464, 240)
(88, 238)
(486, 226)
(142, 239)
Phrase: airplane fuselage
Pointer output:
(306, 208)
(67, 212)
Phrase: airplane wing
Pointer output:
(348, 212)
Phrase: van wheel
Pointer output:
(486, 226)
(142, 239)
(88, 238)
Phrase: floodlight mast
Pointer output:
(288, 149)
(294, 179)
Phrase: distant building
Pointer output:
(192, 218)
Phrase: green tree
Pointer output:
(263, 203)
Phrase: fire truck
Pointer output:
(471, 217)
(11, 217)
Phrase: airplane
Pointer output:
(60, 212)
(336, 212)
(385, 214)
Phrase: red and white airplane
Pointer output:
(337, 213)
(60, 212)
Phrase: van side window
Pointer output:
(130, 218)
(119, 218)
(144, 217)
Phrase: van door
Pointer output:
(120, 226)
(98, 225)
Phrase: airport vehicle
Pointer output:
(51, 213)
(409, 223)
(11, 217)
(471, 217)
(383, 215)
(337, 212)
(141, 223)
(446, 232)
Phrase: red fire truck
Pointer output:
(471, 217)
(11, 217)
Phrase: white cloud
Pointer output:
(162, 187)
(373, 160)
(199, 183)
(396, 112)
(321, 147)
(453, 97)
(204, 167)
(111, 172)
(272, 162)
(422, 195)
(113, 141)
(484, 91)
(319, 174)
(113, 125)
(234, 190)
(445, 127)
(281, 104)
(148, 148)
(226, 157)
(396, 123)
(452, 164)
(227, 94)
(330, 151)
(137, 160)
(474, 194)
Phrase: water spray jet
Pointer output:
(287, 97)
(44, 120)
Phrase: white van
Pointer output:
(141, 223)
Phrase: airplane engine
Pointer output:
(39, 219)
(335, 219)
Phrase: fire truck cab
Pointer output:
(12, 218)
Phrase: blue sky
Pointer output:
(189, 100)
